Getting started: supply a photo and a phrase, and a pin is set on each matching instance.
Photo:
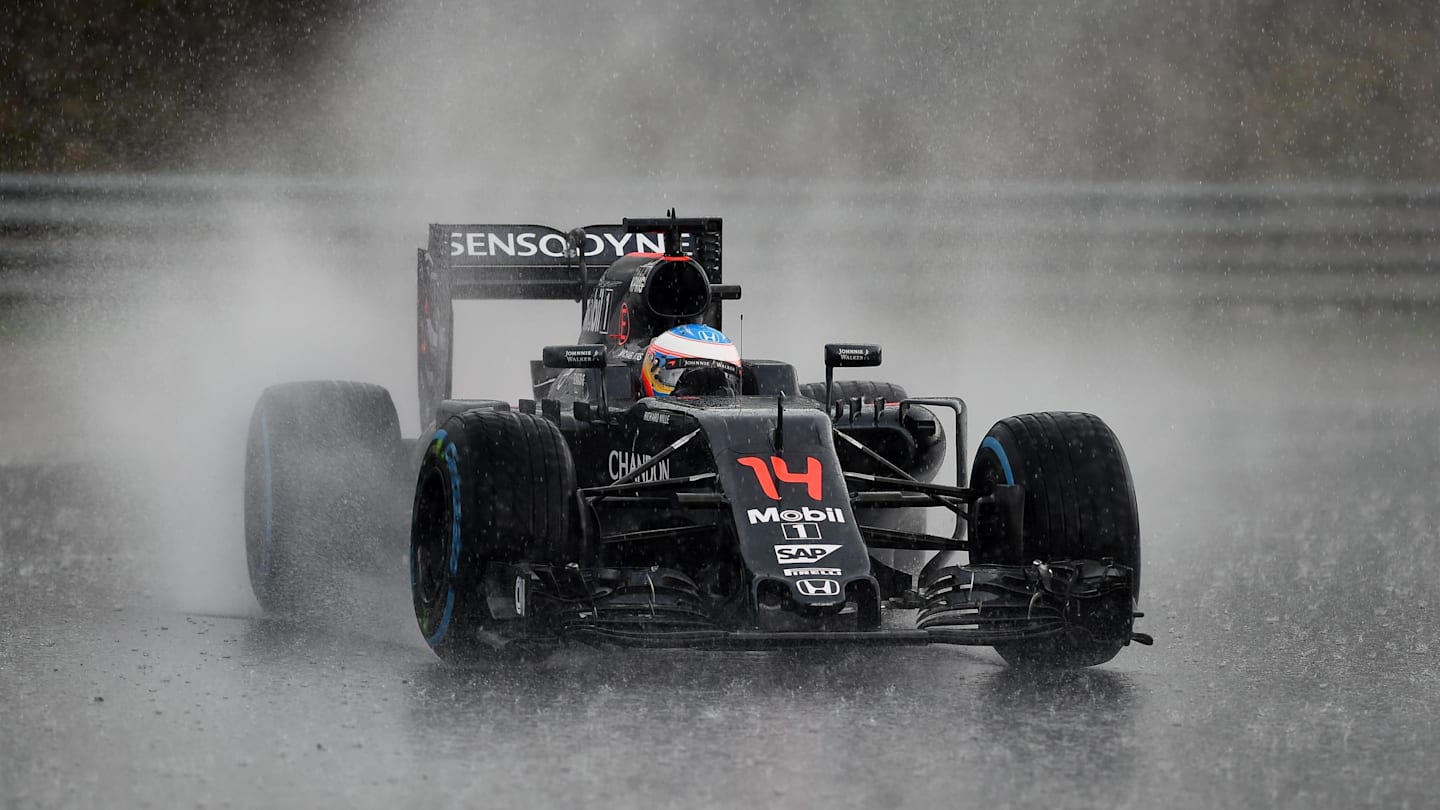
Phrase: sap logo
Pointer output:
(813, 572)
(621, 464)
(818, 587)
(803, 553)
(762, 469)
(554, 245)
(774, 514)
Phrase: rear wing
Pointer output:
(537, 262)
(533, 262)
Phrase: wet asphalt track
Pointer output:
(1287, 456)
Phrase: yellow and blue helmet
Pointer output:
(703, 351)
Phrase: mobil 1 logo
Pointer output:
(801, 531)
(774, 514)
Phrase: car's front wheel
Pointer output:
(494, 487)
(1079, 504)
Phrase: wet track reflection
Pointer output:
(227, 709)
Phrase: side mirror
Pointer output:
(586, 355)
(846, 355)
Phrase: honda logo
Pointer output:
(818, 587)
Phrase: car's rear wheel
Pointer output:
(494, 487)
(1079, 504)
(911, 520)
(320, 466)
(866, 390)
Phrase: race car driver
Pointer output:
(690, 360)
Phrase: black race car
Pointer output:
(740, 517)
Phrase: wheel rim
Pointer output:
(430, 550)
(988, 473)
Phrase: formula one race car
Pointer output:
(660, 491)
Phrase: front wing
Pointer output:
(964, 605)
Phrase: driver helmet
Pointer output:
(703, 351)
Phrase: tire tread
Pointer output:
(867, 390)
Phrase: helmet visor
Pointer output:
(664, 373)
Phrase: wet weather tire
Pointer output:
(494, 487)
(866, 390)
(1079, 503)
(319, 479)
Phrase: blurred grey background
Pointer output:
(1114, 90)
